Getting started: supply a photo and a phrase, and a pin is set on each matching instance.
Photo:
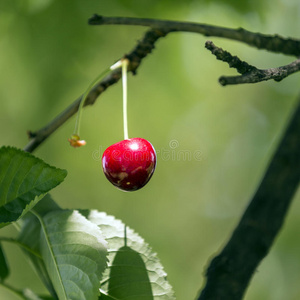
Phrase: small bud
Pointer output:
(76, 142)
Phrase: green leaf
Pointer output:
(74, 253)
(129, 259)
(30, 235)
(4, 270)
(24, 181)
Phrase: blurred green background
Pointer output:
(49, 55)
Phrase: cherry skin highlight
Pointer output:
(129, 164)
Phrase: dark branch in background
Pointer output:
(273, 43)
(250, 74)
(230, 272)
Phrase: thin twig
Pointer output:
(250, 74)
(230, 272)
(233, 61)
(273, 43)
(38, 137)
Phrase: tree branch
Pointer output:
(142, 49)
(161, 28)
(230, 272)
(273, 43)
(250, 74)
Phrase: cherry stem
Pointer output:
(121, 63)
(124, 85)
(84, 96)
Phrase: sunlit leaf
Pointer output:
(130, 261)
(4, 270)
(74, 253)
(24, 181)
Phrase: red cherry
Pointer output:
(129, 164)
